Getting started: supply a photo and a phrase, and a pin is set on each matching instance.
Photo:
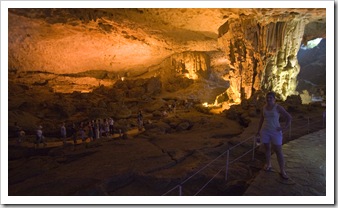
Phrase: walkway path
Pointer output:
(57, 143)
(305, 160)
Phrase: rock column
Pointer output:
(262, 55)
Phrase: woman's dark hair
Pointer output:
(271, 94)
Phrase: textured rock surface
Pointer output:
(258, 47)
(312, 76)
(263, 53)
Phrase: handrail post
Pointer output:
(253, 148)
(308, 125)
(227, 165)
(290, 130)
(227, 152)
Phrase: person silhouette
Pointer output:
(270, 131)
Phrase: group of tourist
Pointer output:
(94, 129)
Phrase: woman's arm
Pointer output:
(260, 123)
(286, 115)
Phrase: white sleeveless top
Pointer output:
(271, 118)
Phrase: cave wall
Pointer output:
(77, 40)
(263, 55)
(192, 65)
(259, 46)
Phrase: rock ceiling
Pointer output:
(252, 49)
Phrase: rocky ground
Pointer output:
(149, 162)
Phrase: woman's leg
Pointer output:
(280, 158)
(267, 155)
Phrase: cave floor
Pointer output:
(305, 161)
(150, 166)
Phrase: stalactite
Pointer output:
(272, 43)
(191, 64)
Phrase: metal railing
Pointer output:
(226, 153)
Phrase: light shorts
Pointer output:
(274, 136)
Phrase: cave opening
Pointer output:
(312, 76)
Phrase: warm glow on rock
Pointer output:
(218, 107)
(191, 75)
(217, 110)
(255, 51)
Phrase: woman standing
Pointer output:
(270, 131)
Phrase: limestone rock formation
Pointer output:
(263, 54)
(258, 46)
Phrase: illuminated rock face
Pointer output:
(192, 65)
(263, 56)
(259, 46)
